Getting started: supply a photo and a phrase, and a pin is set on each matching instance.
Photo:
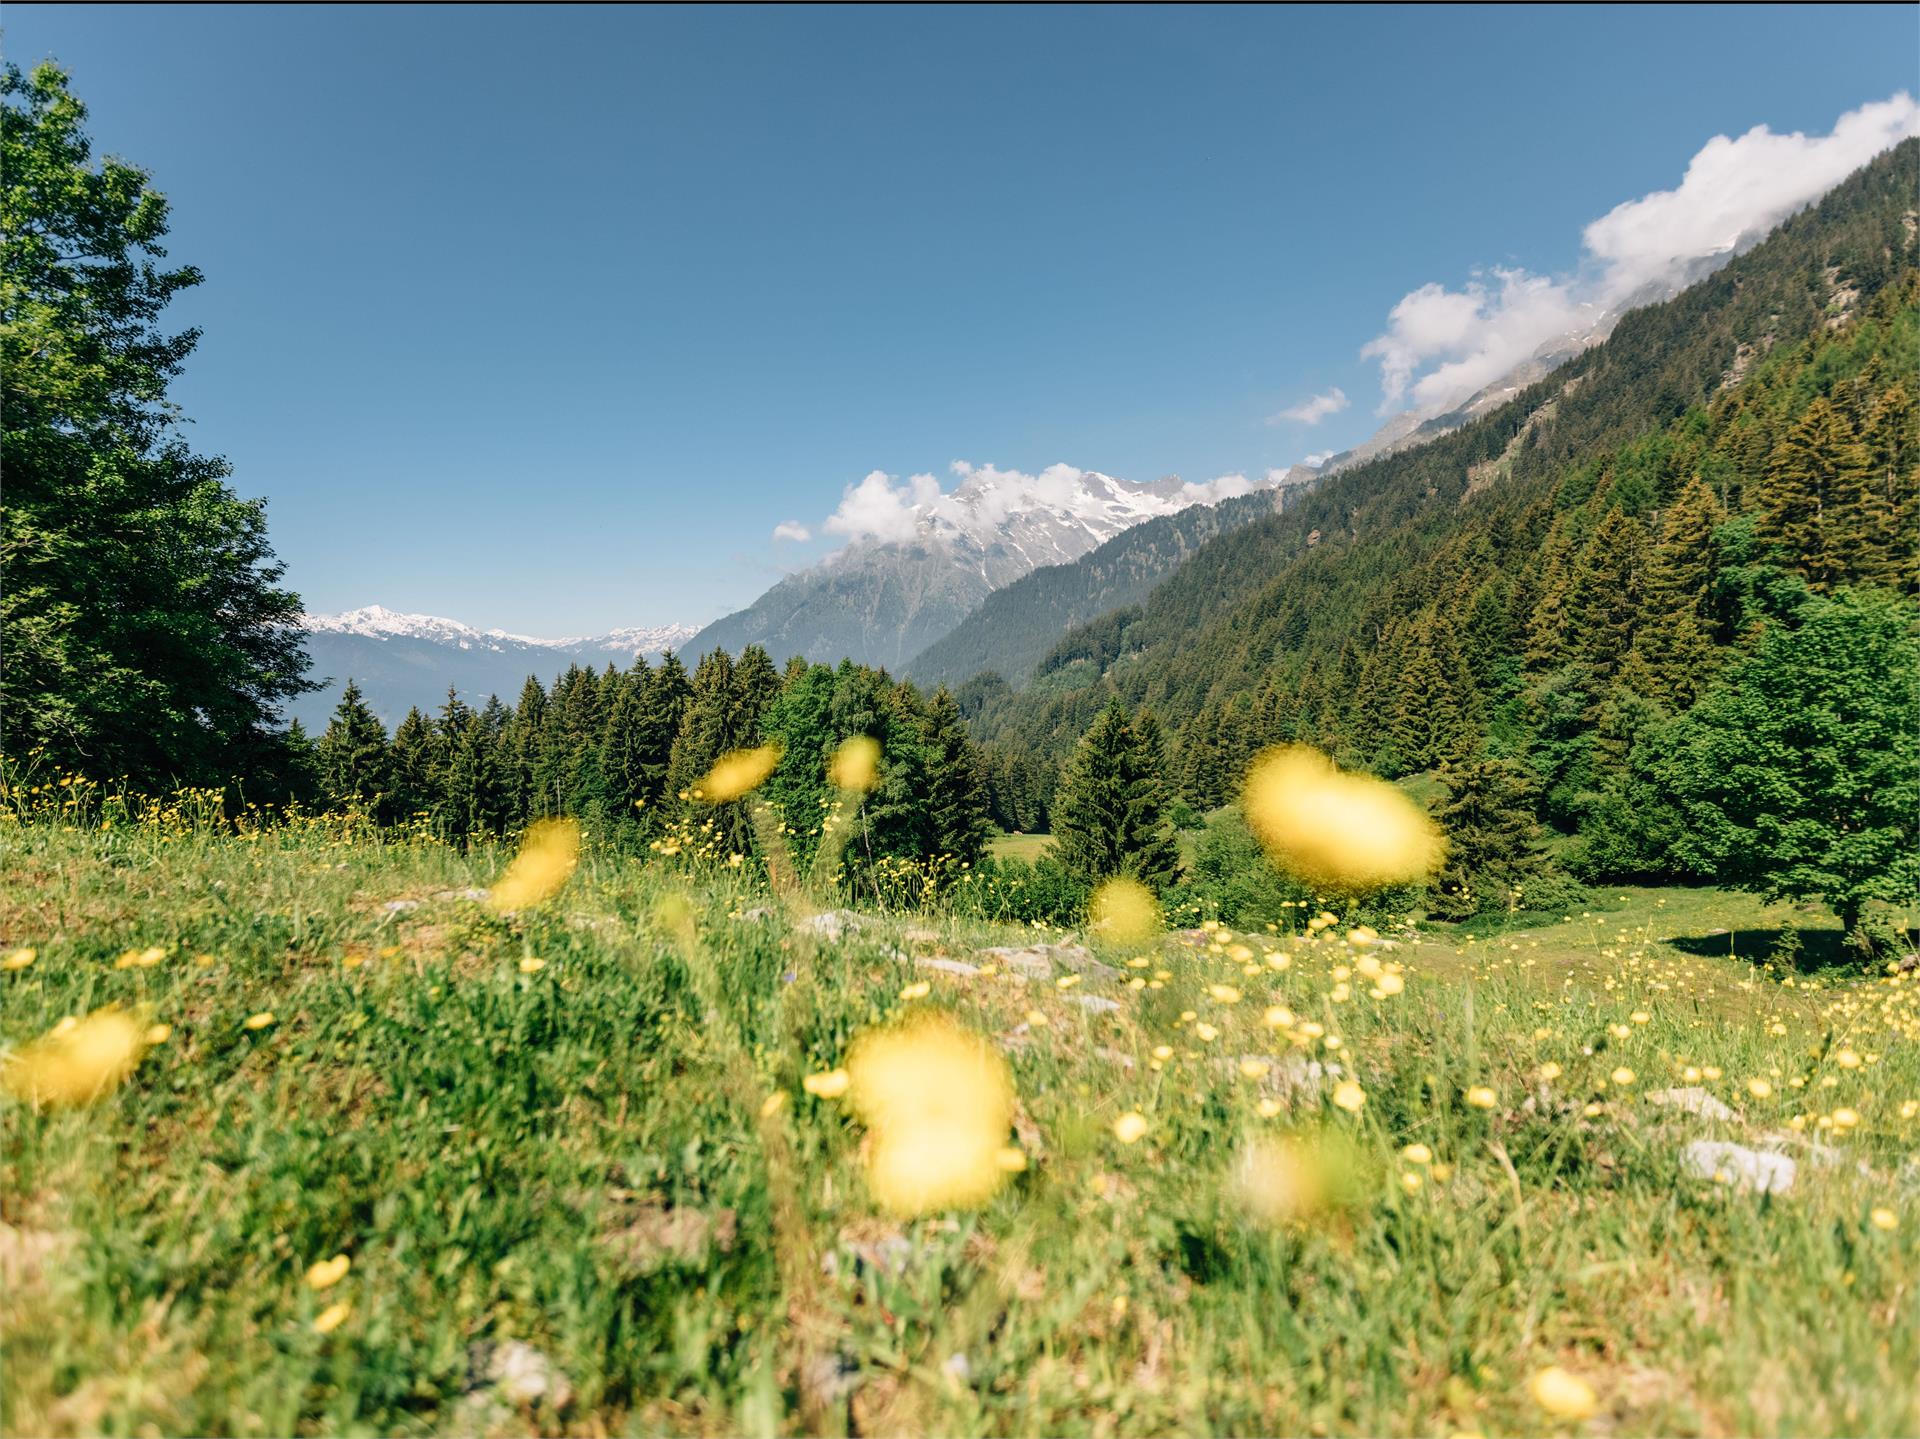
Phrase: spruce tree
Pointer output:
(1110, 815)
(1816, 482)
(1495, 859)
(1673, 637)
(957, 804)
(413, 774)
(355, 767)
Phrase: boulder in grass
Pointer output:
(1759, 1170)
(1692, 1100)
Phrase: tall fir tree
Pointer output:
(355, 766)
(1110, 815)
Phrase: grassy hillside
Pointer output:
(549, 1149)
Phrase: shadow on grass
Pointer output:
(1819, 949)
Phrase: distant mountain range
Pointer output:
(881, 600)
(402, 660)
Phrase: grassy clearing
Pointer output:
(532, 1132)
(1028, 847)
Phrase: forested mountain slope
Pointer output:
(1536, 585)
(1013, 628)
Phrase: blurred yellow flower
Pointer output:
(332, 1317)
(328, 1272)
(1846, 1059)
(1349, 1096)
(919, 989)
(1759, 1088)
(1124, 911)
(1011, 1158)
(1130, 1128)
(1342, 830)
(737, 773)
(158, 1033)
(1563, 1395)
(1481, 1097)
(1845, 1118)
(855, 765)
(1624, 1076)
(830, 1085)
(1254, 1068)
(19, 958)
(773, 1104)
(1224, 993)
(548, 852)
(1550, 1071)
(1885, 1219)
(258, 1021)
(937, 1102)
(78, 1061)
(1417, 1154)
(531, 965)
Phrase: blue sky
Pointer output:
(543, 318)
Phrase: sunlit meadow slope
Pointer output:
(401, 1164)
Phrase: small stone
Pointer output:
(400, 906)
(1094, 1003)
(835, 923)
(949, 966)
(759, 914)
(521, 1374)
(1748, 1169)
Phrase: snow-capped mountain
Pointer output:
(920, 557)
(402, 660)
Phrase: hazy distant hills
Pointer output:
(402, 660)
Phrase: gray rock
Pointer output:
(1692, 1100)
(835, 923)
(400, 906)
(1094, 1003)
(521, 1374)
(949, 966)
(1759, 1170)
(1037, 961)
(759, 914)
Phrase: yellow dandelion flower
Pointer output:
(258, 1021)
(1205, 1032)
(1845, 1119)
(1760, 1088)
(919, 989)
(78, 1061)
(531, 965)
(1278, 1016)
(1909, 1108)
(937, 1102)
(1255, 1068)
(1224, 993)
(855, 765)
(1130, 1128)
(830, 1085)
(1563, 1395)
(332, 1317)
(1550, 1071)
(1124, 911)
(1349, 1096)
(737, 773)
(1885, 1219)
(328, 1272)
(19, 958)
(549, 850)
(1345, 830)
(1846, 1059)
(158, 1034)
(1387, 985)
(1624, 1076)
(1410, 1182)
(1481, 1097)
(1011, 1158)
(1417, 1154)
(1268, 1108)
(773, 1104)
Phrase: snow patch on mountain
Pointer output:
(380, 623)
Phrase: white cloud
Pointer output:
(1312, 411)
(1318, 458)
(1441, 345)
(881, 508)
(792, 530)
